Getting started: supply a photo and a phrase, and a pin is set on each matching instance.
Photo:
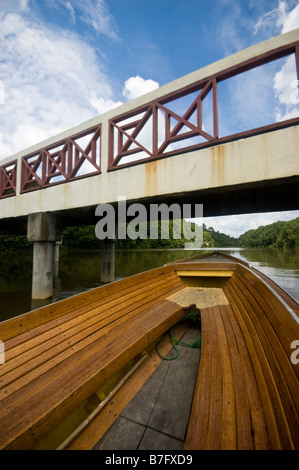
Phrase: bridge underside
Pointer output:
(266, 196)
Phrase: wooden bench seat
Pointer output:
(247, 390)
(52, 368)
(37, 346)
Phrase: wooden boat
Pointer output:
(64, 361)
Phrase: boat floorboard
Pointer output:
(157, 417)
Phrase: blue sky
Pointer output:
(64, 62)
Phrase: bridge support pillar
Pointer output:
(107, 261)
(42, 270)
(43, 231)
(56, 259)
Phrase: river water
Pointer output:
(80, 270)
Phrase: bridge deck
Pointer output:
(228, 172)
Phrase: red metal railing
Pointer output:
(8, 179)
(125, 132)
(129, 144)
(175, 123)
(75, 157)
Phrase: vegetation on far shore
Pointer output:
(275, 235)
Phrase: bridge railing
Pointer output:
(8, 179)
(72, 158)
(183, 120)
(166, 129)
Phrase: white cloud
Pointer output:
(236, 225)
(2, 92)
(29, 134)
(52, 80)
(96, 14)
(24, 4)
(14, 5)
(279, 18)
(5, 147)
(285, 79)
(273, 18)
(284, 115)
(238, 113)
(71, 10)
(102, 105)
(286, 90)
(291, 20)
(137, 86)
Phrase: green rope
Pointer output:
(197, 344)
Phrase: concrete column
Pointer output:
(42, 271)
(108, 261)
(43, 231)
(56, 259)
(57, 280)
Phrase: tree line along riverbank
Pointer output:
(282, 234)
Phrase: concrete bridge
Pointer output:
(162, 147)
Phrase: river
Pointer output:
(80, 270)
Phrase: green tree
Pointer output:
(281, 234)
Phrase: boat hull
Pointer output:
(63, 360)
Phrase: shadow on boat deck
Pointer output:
(157, 417)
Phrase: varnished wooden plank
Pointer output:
(53, 327)
(104, 420)
(258, 426)
(284, 324)
(49, 355)
(243, 416)
(24, 323)
(83, 325)
(204, 273)
(256, 353)
(35, 413)
(228, 419)
(278, 345)
(201, 417)
(283, 371)
(210, 267)
(202, 297)
(68, 309)
(262, 328)
(268, 389)
(197, 427)
(282, 293)
(212, 440)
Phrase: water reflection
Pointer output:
(280, 265)
(81, 270)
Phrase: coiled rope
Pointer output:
(194, 316)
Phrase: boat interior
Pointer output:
(73, 366)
